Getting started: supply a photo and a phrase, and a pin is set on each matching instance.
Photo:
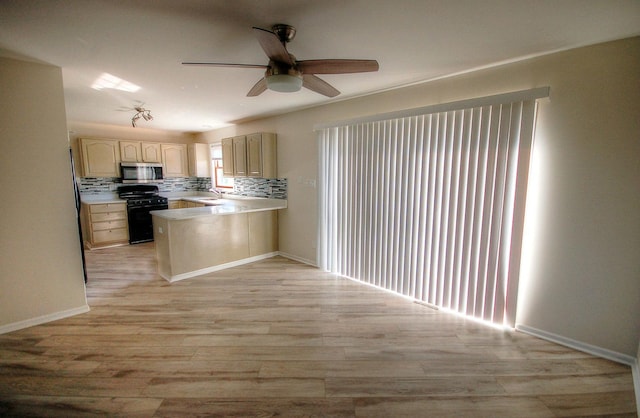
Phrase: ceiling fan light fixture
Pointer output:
(141, 113)
(284, 83)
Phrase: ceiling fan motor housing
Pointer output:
(284, 32)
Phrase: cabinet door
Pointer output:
(227, 157)
(174, 158)
(130, 151)
(100, 157)
(269, 158)
(254, 155)
(240, 156)
(151, 152)
(199, 160)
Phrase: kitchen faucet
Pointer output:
(216, 192)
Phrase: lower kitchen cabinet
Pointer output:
(105, 224)
(182, 204)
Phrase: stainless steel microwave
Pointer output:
(141, 173)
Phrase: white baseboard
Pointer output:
(296, 258)
(591, 349)
(200, 272)
(578, 345)
(43, 319)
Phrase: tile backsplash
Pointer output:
(98, 185)
(259, 187)
(256, 187)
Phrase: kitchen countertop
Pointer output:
(96, 199)
(197, 197)
(225, 206)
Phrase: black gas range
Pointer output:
(141, 199)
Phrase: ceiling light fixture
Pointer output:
(283, 79)
(141, 113)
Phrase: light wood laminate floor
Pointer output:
(279, 338)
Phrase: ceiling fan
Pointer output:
(286, 74)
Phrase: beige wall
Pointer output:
(41, 271)
(581, 276)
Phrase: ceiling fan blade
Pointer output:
(221, 64)
(258, 88)
(270, 43)
(337, 66)
(318, 85)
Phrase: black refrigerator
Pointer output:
(76, 192)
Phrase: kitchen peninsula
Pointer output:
(225, 233)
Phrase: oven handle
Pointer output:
(151, 207)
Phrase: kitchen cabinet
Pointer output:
(199, 156)
(174, 158)
(105, 224)
(100, 157)
(227, 157)
(261, 155)
(240, 156)
(151, 152)
(250, 156)
(140, 152)
(130, 151)
(182, 204)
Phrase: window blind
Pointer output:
(431, 205)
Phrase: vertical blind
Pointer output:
(431, 205)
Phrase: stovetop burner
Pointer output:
(138, 191)
(141, 194)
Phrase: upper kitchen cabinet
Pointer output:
(100, 157)
(227, 157)
(261, 155)
(239, 156)
(174, 158)
(250, 156)
(199, 160)
(140, 152)
(130, 151)
(151, 152)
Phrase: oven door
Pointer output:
(140, 223)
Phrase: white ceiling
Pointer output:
(145, 41)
